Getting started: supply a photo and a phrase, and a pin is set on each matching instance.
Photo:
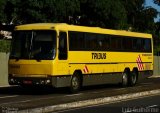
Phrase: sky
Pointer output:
(150, 3)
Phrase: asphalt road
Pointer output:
(149, 104)
(18, 98)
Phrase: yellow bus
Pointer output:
(62, 55)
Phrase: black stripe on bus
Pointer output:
(115, 72)
(111, 63)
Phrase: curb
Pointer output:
(4, 86)
(7, 86)
(90, 102)
(154, 76)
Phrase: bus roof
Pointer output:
(67, 27)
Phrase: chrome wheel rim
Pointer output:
(134, 78)
(75, 83)
(125, 79)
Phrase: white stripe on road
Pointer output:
(152, 106)
(23, 101)
(154, 76)
(9, 96)
(74, 95)
(15, 102)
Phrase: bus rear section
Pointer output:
(109, 56)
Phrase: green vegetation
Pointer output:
(5, 45)
(114, 14)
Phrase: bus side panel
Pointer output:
(104, 78)
(109, 70)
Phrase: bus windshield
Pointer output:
(39, 45)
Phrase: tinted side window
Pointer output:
(103, 42)
(91, 42)
(137, 44)
(127, 44)
(62, 46)
(83, 41)
(76, 41)
(147, 45)
(116, 43)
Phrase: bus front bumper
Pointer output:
(29, 80)
(55, 81)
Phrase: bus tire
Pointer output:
(125, 75)
(133, 78)
(75, 83)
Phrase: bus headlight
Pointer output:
(12, 80)
(42, 82)
(48, 81)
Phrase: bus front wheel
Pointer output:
(125, 79)
(133, 78)
(75, 83)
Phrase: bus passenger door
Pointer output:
(62, 54)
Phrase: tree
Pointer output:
(117, 14)
(158, 23)
(34, 11)
(29, 11)
(157, 2)
(139, 17)
(103, 13)
(8, 10)
(66, 8)
(2, 14)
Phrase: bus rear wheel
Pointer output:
(75, 83)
